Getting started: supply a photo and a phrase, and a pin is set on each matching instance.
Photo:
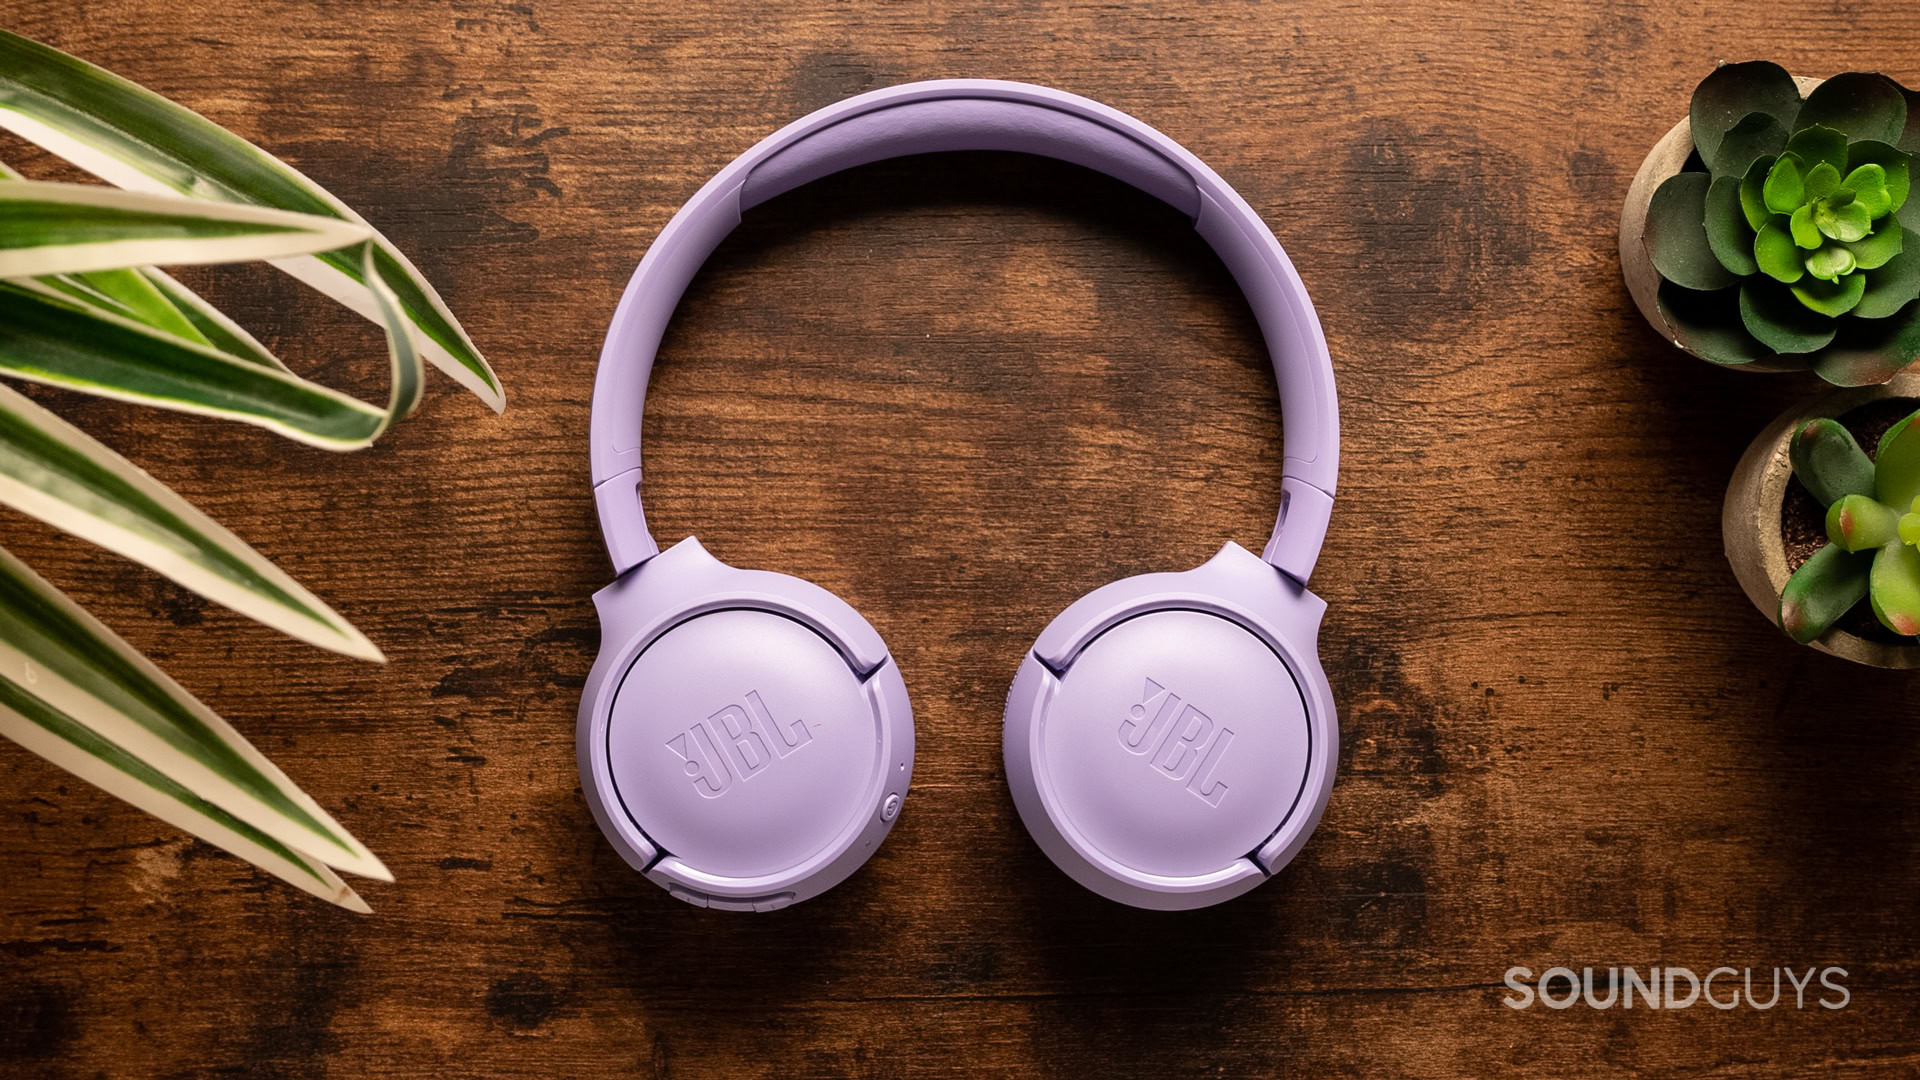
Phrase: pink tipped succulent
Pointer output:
(1873, 523)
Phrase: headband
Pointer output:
(975, 114)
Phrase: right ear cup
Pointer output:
(745, 738)
(1170, 740)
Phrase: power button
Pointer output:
(889, 808)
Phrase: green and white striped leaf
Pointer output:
(69, 660)
(136, 139)
(50, 733)
(209, 322)
(73, 228)
(136, 296)
(48, 335)
(57, 473)
(409, 375)
(78, 288)
(150, 296)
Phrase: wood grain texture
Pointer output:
(961, 392)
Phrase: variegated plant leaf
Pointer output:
(407, 371)
(48, 228)
(137, 296)
(69, 660)
(47, 335)
(52, 734)
(77, 288)
(150, 296)
(132, 137)
(57, 473)
(210, 322)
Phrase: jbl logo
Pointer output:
(738, 741)
(1181, 742)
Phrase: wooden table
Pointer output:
(960, 393)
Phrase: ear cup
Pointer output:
(746, 740)
(1170, 740)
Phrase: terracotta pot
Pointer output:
(1668, 157)
(1750, 520)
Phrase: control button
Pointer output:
(697, 899)
(889, 808)
(774, 902)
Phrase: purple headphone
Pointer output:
(745, 740)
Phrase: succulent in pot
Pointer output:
(1814, 525)
(1772, 231)
(1873, 527)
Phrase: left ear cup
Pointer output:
(745, 739)
(1170, 740)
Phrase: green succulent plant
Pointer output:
(1789, 238)
(1873, 523)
